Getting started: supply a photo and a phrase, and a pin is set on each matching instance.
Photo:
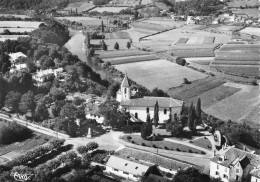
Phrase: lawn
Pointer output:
(186, 92)
(166, 145)
(131, 59)
(153, 158)
(215, 95)
(202, 142)
(17, 24)
(159, 73)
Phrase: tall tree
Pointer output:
(190, 117)
(12, 100)
(41, 111)
(116, 46)
(128, 45)
(27, 103)
(156, 114)
(149, 125)
(198, 110)
(102, 27)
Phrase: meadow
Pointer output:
(159, 73)
(79, 6)
(242, 70)
(164, 22)
(108, 9)
(17, 24)
(251, 31)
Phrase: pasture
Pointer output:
(159, 73)
(251, 31)
(17, 24)
(108, 9)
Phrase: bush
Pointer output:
(181, 61)
(92, 145)
(154, 146)
(178, 149)
(190, 151)
(143, 144)
(166, 148)
(133, 142)
(203, 152)
(82, 149)
(186, 81)
(129, 138)
(254, 82)
(211, 74)
(57, 142)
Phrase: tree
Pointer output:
(156, 114)
(147, 128)
(72, 127)
(116, 46)
(102, 27)
(128, 45)
(136, 14)
(27, 103)
(198, 110)
(144, 134)
(12, 100)
(57, 94)
(191, 117)
(189, 175)
(41, 111)
(103, 45)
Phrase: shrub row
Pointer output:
(32, 155)
(89, 147)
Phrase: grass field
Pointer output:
(17, 29)
(17, 24)
(159, 73)
(162, 144)
(246, 70)
(117, 35)
(251, 12)
(164, 22)
(202, 142)
(109, 9)
(187, 92)
(253, 117)
(251, 31)
(120, 53)
(80, 6)
(200, 60)
(149, 27)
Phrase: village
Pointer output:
(131, 91)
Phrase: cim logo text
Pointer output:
(21, 177)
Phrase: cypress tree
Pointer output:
(156, 114)
(198, 110)
(149, 127)
(102, 27)
(190, 116)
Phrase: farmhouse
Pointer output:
(234, 164)
(130, 168)
(15, 56)
(140, 107)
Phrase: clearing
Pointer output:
(159, 73)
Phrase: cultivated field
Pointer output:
(244, 70)
(84, 20)
(159, 73)
(117, 35)
(221, 28)
(148, 27)
(17, 24)
(253, 117)
(108, 9)
(251, 31)
(130, 59)
(252, 12)
(164, 22)
(17, 29)
(238, 105)
(120, 53)
(200, 60)
(243, 3)
(79, 6)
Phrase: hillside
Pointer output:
(34, 4)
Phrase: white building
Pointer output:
(129, 168)
(233, 164)
(140, 107)
(17, 67)
(45, 75)
(15, 56)
(255, 175)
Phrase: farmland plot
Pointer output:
(164, 22)
(117, 35)
(23, 24)
(159, 73)
(80, 6)
(109, 9)
(246, 70)
(120, 53)
(251, 31)
(84, 20)
(111, 42)
(15, 15)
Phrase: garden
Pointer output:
(165, 145)
(202, 142)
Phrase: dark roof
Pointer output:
(234, 155)
(155, 178)
(125, 82)
(146, 101)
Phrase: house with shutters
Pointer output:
(140, 107)
(234, 164)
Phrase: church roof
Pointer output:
(150, 102)
(125, 82)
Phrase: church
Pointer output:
(140, 107)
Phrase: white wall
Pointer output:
(255, 179)
(121, 174)
(142, 113)
(233, 173)
(221, 169)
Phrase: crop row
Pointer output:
(125, 53)
(238, 70)
(194, 89)
(189, 53)
(131, 59)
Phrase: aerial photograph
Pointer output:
(129, 91)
